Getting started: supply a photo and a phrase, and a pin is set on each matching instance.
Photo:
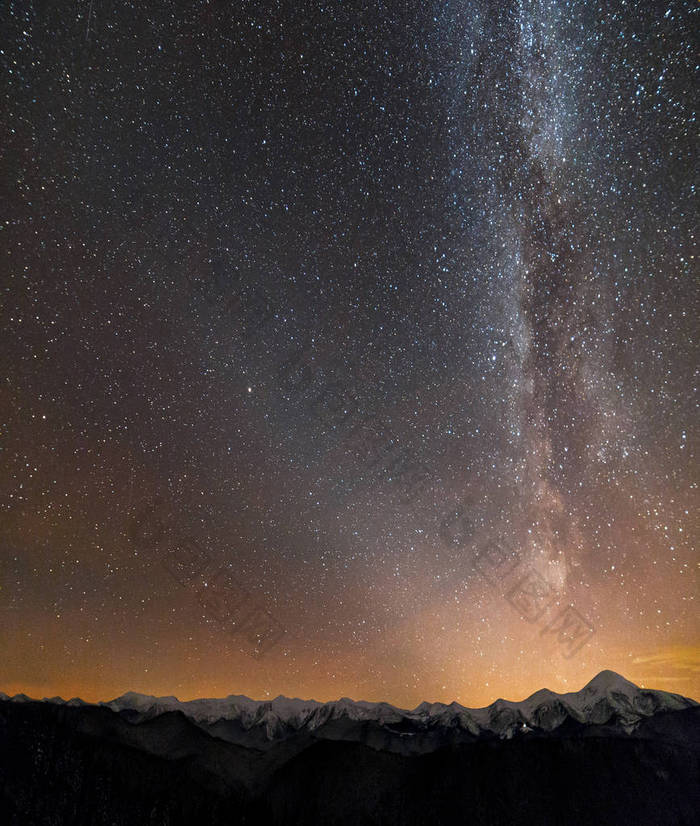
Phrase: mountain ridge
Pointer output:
(609, 753)
(607, 699)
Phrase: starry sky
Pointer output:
(348, 348)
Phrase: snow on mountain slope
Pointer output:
(607, 699)
(608, 693)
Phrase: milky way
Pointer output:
(348, 349)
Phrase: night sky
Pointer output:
(348, 348)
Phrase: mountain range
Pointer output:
(610, 753)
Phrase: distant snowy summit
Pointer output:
(607, 700)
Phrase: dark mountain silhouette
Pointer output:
(609, 754)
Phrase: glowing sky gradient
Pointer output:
(388, 312)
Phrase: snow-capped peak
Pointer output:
(134, 700)
(607, 681)
(608, 699)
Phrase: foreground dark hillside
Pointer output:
(63, 765)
